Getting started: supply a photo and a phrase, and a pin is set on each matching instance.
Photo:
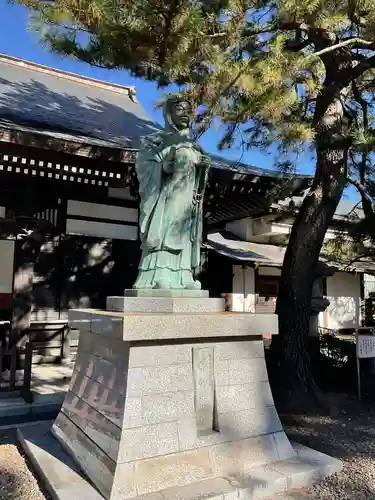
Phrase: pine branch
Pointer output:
(297, 45)
(364, 105)
(355, 43)
(358, 258)
(362, 67)
(170, 15)
(366, 200)
(360, 187)
(77, 29)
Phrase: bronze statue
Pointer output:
(172, 173)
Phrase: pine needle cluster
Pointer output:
(257, 65)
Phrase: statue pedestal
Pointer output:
(170, 397)
(176, 293)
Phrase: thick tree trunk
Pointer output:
(293, 383)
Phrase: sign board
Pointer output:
(365, 346)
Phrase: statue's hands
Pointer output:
(171, 156)
(205, 161)
(169, 160)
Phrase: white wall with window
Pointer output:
(243, 289)
(255, 290)
(369, 285)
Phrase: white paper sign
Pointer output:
(366, 346)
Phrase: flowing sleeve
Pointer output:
(197, 222)
(149, 169)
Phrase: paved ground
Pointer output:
(51, 379)
(49, 385)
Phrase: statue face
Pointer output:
(181, 113)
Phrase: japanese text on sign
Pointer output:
(366, 346)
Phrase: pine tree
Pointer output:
(295, 73)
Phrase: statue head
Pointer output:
(177, 113)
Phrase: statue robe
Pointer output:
(170, 211)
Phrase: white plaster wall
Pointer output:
(321, 320)
(269, 271)
(344, 294)
(244, 297)
(243, 289)
(241, 228)
(369, 284)
(6, 265)
(108, 227)
(109, 212)
(101, 230)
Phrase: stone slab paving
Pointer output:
(63, 480)
(51, 378)
(49, 385)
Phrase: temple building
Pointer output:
(251, 250)
(69, 204)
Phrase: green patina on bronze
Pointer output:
(172, 174)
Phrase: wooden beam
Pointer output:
(43, 140)
(19, 161)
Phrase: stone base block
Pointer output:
(63, 480)
(162, 404)
(165, 305)
(154, 292)
(161, 327)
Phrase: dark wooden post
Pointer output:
(26, 253)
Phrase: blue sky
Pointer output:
(17, 41)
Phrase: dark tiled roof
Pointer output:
(244, 168)
(69, 107)
(230, 246)
(55, 102)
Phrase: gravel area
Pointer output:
(16, 480)
(348, 433)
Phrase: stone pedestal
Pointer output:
(170, 397)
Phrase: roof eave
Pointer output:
(75, 147)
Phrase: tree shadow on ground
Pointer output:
(348, 436)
